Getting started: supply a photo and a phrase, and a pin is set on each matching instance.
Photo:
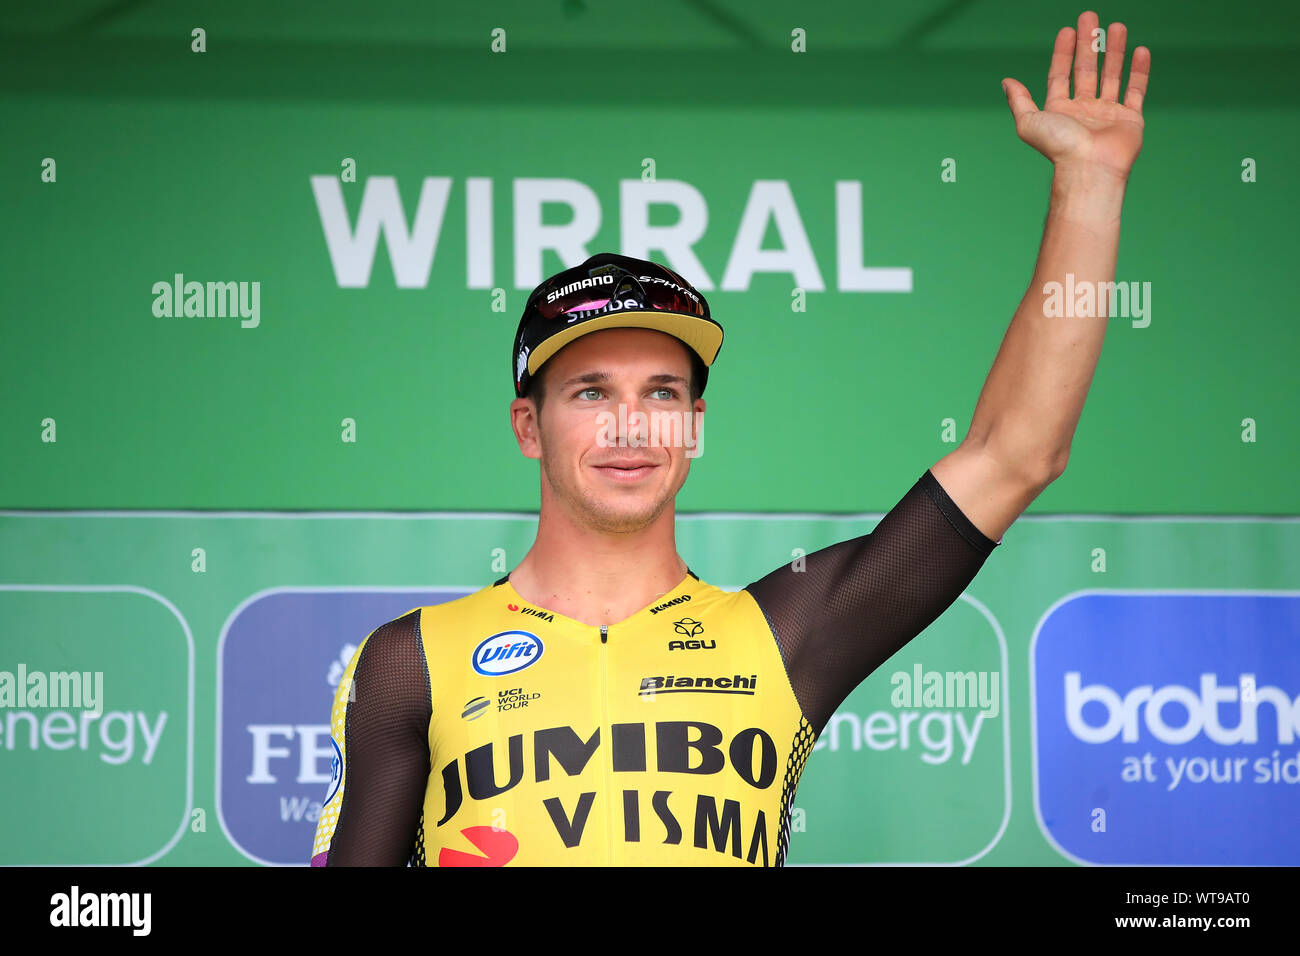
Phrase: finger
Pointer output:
(1115, 38)
(1138, 74)
(1058, 73)
(1018, 98)
(1085, 58)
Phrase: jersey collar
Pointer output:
(687, 585)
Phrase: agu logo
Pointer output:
(506, 653)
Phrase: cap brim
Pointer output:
(702, 335)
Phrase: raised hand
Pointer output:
(1088, 130)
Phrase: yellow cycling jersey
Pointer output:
(486, 731)
(670, 738)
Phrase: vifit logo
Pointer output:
(506, 653)
(1167, 727)
(279, 661)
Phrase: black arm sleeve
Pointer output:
(857, 602)
(387, 757)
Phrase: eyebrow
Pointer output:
(603, 378)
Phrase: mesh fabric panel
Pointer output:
(387, 755)
(854, 604)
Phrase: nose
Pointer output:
(638, 424)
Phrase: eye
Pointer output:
(594, 392)
(666, 393)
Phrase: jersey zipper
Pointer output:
(605, 764)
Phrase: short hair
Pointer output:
(537, 381)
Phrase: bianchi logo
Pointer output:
(698, 685)
(667, 604)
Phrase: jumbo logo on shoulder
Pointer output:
(506, 653)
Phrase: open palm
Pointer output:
(1088, 129)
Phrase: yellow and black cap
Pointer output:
(610, 291)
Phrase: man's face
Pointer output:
(610, 469)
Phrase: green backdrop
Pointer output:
(170, 161)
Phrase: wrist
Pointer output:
(1086, 191)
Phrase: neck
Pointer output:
(596, 577)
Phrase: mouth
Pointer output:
(626, 471)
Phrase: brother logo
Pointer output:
(1147, 707)
(1166, 727)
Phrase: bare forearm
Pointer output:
(1034, 394)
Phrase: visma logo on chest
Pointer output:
(506, 653)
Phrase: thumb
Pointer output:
(1018, 99)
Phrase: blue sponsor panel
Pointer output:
(1167, 728)
(281, 659)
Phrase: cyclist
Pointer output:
(600, 704)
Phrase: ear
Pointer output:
(696, 430)
(697, 414)
(524, 422)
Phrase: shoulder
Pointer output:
(391, 649)
(705, 596)
(405, 637)
(485, 601)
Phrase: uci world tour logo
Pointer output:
(506, 653)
